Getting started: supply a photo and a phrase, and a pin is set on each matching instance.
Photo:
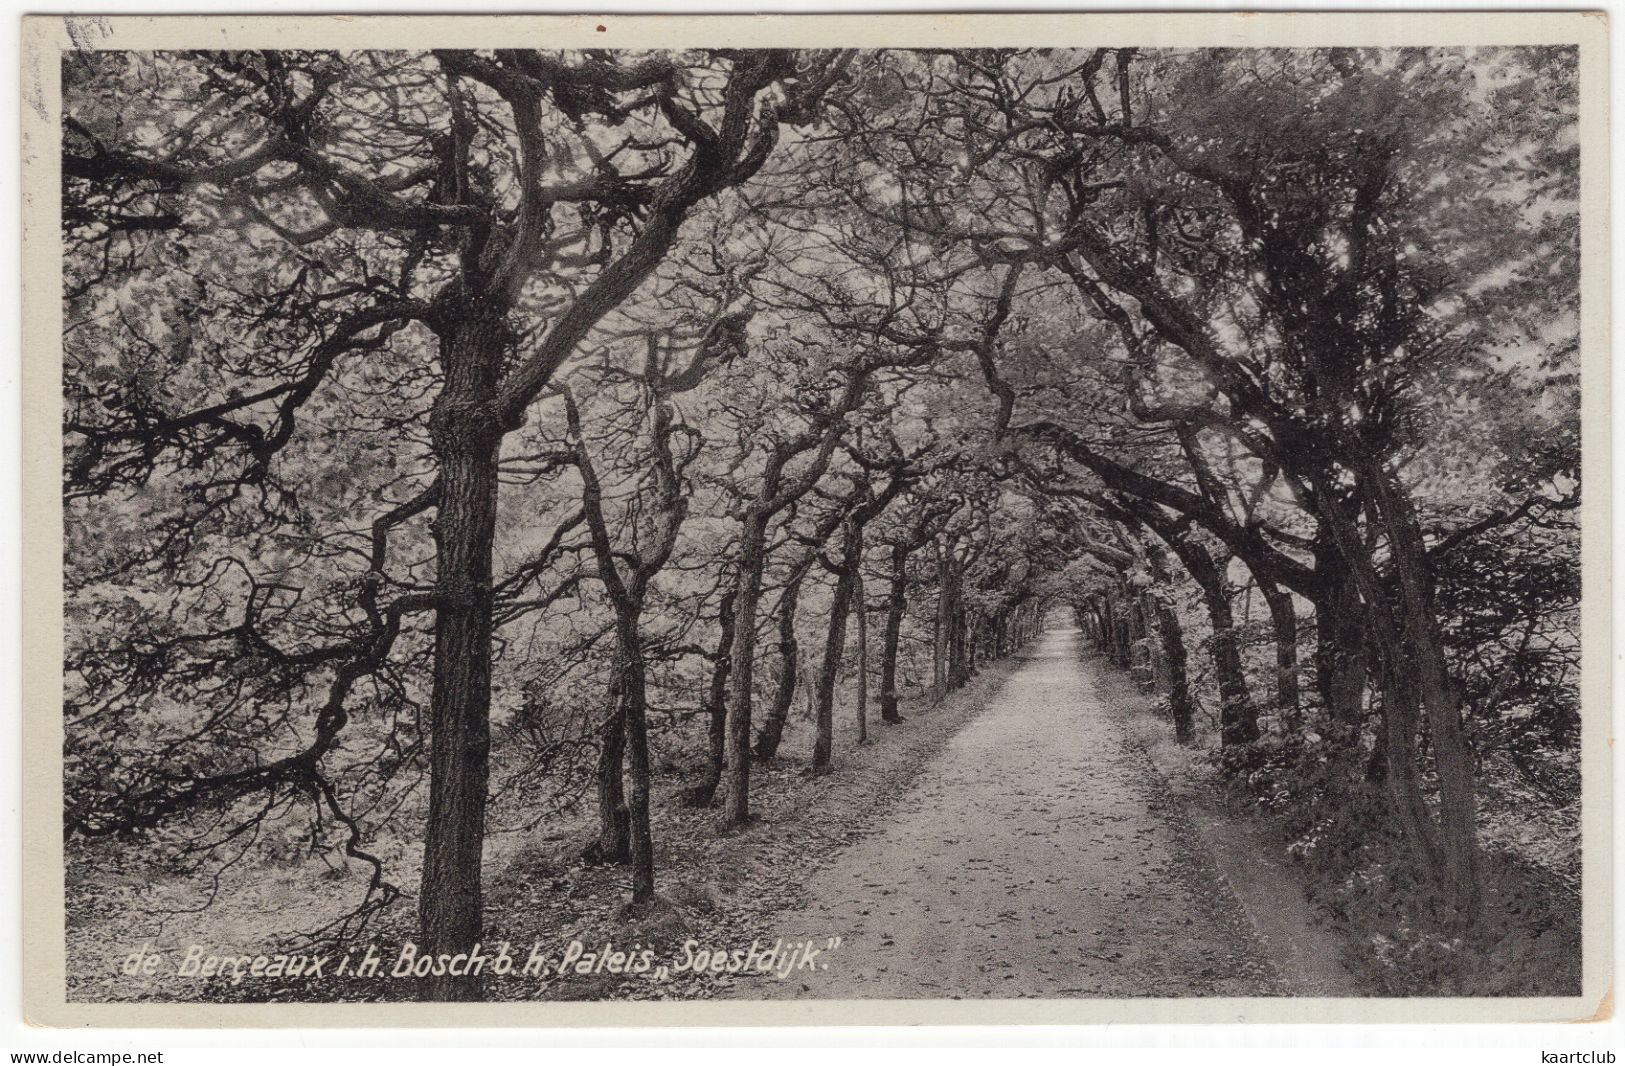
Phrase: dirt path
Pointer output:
(1035, 856)
(1306, 952)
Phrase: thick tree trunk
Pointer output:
(834, 644)
(1376, 767)
(862, 652)
(1423, 673)
(449, 904)
(974, 634)
(1122, 642)
(614, 843)
(1118, 628)
(1284, 620)
(703, 793)
(1403, 627)
(772, 732)
(958, 659)
(1238, 717)
(625, 578)
(1341, 655)
(1139, 646)
(1403, 775)
(943, 624)
(634, 707)
(1100, 610)
(1175, 658)
(736, 777)
(892, 634)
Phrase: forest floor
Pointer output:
(1025, 837)
(716, 889)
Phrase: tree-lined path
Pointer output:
(491, 466)
(1035, 856)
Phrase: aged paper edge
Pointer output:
(46, 37)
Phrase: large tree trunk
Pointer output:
(1423, 673)
(862, 653)
(943, 623)
(634, 707)
(1238, 717)
(1341, 655)
(958, 659)
(465, 445)
(1139, 647)
(834, 644)
(625, 586)
(1175, 659)
(704, 792)
(772, 732)
(1284, 620)
(1119, 644)
(1100, 615)
(736, 778)
(1401, 622)
(1125, 629)
(892, 634)
(614, 841)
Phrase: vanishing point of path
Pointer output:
(1036, 856)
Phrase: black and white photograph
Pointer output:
(582, 518)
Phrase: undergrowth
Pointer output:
(1360, 873)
